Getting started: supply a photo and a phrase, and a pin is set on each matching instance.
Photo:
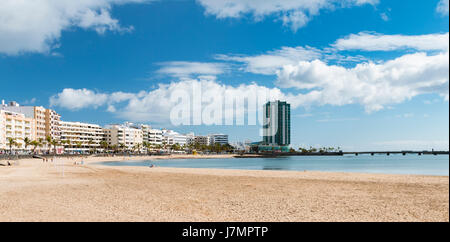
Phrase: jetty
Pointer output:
(340, 153)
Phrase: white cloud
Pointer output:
(293, 13)
(155, 105)
(271, 61)
(384, 17)
(372, 85)
(443, 7)
(75, 99)
(377, 42)
(36, 26)
(186, 69)
(304, 70)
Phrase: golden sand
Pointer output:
(35, 191)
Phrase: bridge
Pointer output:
(405, 152)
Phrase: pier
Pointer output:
(397, 152)
(355, 153)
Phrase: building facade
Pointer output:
(202, 140)
(18, 127)
(52, 124)
(218, 139)
(155, 137)
(47, 120)
(277, 123)
(123, 134)
(149, 135)
(80, 137)
(170, 137)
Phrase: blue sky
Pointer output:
(361, 74)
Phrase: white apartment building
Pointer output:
(152, 136)
(218, 139)
(80, 137)
(202, 140)
(145, 130)
(2, 130)
(190, 138)
(18, 127)
(116, 134)
(52, 124)
(171, 137)
(47, 120)
(155, 136)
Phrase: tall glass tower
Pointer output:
(277, 123)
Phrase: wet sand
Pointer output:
(35, 191)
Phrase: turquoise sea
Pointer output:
(393, 164)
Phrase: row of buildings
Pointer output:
(28, 123)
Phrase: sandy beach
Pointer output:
(31, 190)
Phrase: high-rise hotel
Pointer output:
(277, 123)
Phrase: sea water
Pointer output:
(392, 164)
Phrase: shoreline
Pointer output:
(97, 160)
(90, 159)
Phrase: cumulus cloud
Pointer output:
(442, 7)
(372, 85)
(36, 26)
(311, 80)
(186, 69)
(377, 42)
(293, 13)
(156, 105)
(75, 99)
(271, 61)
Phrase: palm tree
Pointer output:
(48, 139)
(26, 142)
(68, 143)
(137, 147)
(35, 144)
(11, 142)
(79, 144)
(146, 145)
(40, 142)
(114, 148)
(122, 147)
(55, 143)
(65, 143)
(90, 143)
(176, 147)
(104, 145)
